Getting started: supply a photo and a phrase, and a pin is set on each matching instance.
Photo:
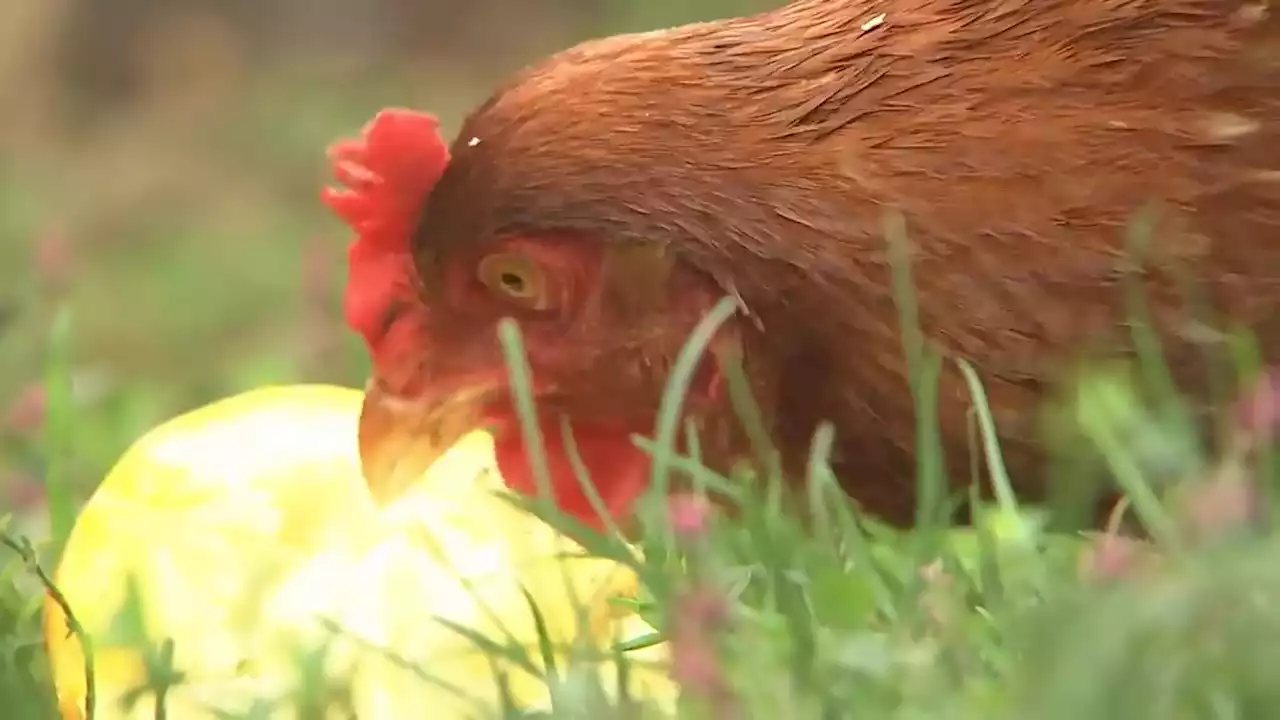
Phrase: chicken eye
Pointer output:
(515, 277)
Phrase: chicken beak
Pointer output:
(400, 438)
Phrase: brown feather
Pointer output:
(1018, 136)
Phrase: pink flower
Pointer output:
(702, 616)
(689, 515)
(53, 260)
(26, 413)
(1258, 411)
(1112, 557)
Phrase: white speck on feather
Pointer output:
(1253, 14)
(1228, 127)
(873, 23)
(473, 142)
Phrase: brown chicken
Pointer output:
(609, 196)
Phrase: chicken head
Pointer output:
(600, 326)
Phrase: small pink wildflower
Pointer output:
(53, 260)
(1111, 557)
(702, 616)
(1229, 498)
(690, 515)
(26, 413)
(1258, 410)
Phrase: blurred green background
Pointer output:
(159, 168)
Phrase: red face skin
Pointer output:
(438, 369)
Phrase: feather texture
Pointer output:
(1017, 137)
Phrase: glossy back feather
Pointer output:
(1018, 136)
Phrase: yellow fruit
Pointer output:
(246, 526)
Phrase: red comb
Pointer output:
(385, 175)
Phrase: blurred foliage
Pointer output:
(159, 165)
(840, 617)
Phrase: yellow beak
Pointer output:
(399, 438)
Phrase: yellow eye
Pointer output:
(515, 277)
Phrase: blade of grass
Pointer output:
(1123, 467)
(545, 648)
(748, 411)
(613, 535)
(1139, 233)
(515, 653)
(622, 669)
(1250, 366)
(895, 232)
(521, 376)
(1000, 482)
(931, 485)
(923, 374)
(711, 480)
(402, 663)
(817, 472)
(678, 383)
(469, 584)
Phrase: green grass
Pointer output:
(843, 617)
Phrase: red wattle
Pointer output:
(615, 466)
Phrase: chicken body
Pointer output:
(633, 180)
